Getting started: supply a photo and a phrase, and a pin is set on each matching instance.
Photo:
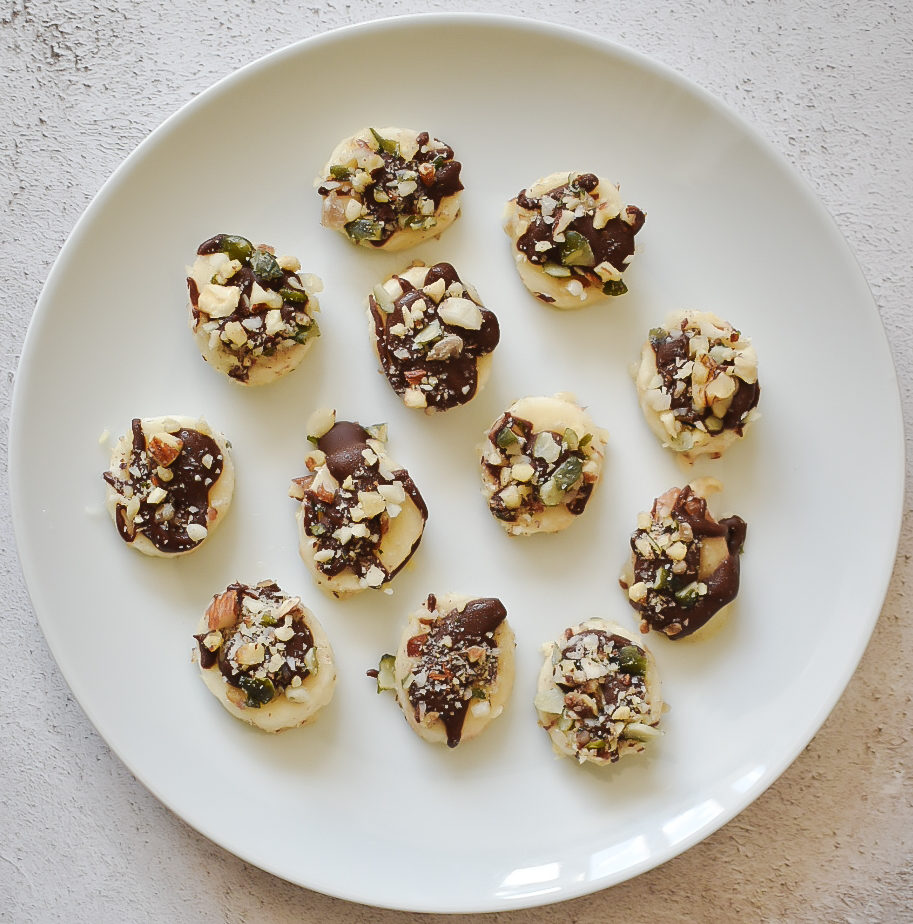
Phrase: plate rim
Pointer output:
(895, 456)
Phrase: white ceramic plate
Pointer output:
(357, 806)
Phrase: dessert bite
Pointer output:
(252, 313)
(432, 335)
(170, 484)
(265, 657)
(541, 460)
(599, 695)
(684, 565)
(360, 517)
(390, 188)
(454, 670)
(698, 384)
(573, 238)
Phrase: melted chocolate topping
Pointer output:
(343, 446)
(187, 493)
(613, 243)
(260, 629)
(575, 499)
(459, 672)
(448, 381)
(436, 175)
(260, 267)
(674, 607)
(671, 354)
(594, 728)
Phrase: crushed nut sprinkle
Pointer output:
(706, 379)
(679, 580)
(537, 469)
(163, 487)
(260, 641)
(599, 698)
(430, 337)
(383, 189)
(250, 303)
(455, 663)
(573, 234)
(350, 499)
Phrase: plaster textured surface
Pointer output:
(827, 84)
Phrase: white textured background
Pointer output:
(829, 84)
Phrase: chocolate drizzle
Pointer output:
(444, 369)
(165, 522)
(612, 244)
(674, 604)
(457, 662)
(356, 467)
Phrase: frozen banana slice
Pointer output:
(265, 657)
(573, 238)
(599, 694)
(170, 484)
(361, 516)
(698, 384)
(454, 670)
(252, 314)
(684, 565)
(390, 188)
(432, 335)
(541, 460)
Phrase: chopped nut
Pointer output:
(165, 448)
(522, 472)
(223, 611)
(371, 503)
(414, 397)
(235, 333)
(156, 496)
(218, 301)
(460, 312)
(288, 606)
(298, 487)
(637, 592)
(677, 551)
(250, 654)
(197, 532)
(435, 291)
(446, 348)
(320, 422)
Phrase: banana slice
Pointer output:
(390, 188)
(252, 314)
(599, 695)
(432, 336)
(361, 517)
(541, 460)
(170, 484)
(265, 657)
(454, 669)
(573, 238)
(698, 384)
(684, 565)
